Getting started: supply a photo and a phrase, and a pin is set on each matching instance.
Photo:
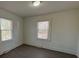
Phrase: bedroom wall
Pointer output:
(78, 47)
(78, 35)
(63, 35)
(17, 32)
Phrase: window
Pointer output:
(43, 28)
(6, 29)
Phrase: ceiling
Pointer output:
(25, 8)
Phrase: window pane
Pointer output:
(5, 24)
(6, 29)
(6, 35)
(43, 28)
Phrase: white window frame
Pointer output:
(6, 30)
(49, 30)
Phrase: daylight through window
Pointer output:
(43, 28)
(6, 29)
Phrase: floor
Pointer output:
(26, 51)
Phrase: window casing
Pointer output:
(43, 29)
(5, 29)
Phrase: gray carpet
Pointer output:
(26, 51)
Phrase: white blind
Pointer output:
(43, 28)
(6, 29)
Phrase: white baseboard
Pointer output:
(1, 53)
(70, 52)
(4, 52)
(77, 55)
(31, 45)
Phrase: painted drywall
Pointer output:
(63, 35)
(17, 32)
(78, 35)
(78, 48)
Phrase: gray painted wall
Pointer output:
(63, 35)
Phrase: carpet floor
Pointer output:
(27, 51)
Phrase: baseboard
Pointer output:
(1, 53)
(50, 49)
(29, 45)
(10, 49)
(77, 56)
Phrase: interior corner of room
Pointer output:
(61, 24)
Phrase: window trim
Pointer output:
(49, 30)
(6, 30)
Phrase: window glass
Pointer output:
(43, 28)
(6, 29)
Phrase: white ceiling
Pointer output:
(25, 8)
